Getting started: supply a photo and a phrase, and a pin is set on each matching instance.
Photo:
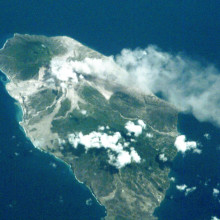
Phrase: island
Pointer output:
(118, 141)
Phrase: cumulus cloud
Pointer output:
(83, 111)
(101, 128)
(190, 85)
(96, 140)
(181, 187)
(136, 129)
(142, 124)
(182, 145)
(198, 151)
(119, 155)
(149, 135)
(172, 179)
(187, 190)
(134, 155)
(123, 158)
(162, 157)
(207, 136)
(190, 190)
(215, 218)
(215, 192)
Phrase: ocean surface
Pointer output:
(35, 185)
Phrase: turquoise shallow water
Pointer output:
(33, 189)
(35, 185)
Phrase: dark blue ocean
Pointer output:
(30, 186)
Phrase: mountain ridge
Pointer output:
(111, 135)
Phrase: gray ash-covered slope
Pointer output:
(118, 141)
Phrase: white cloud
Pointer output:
(123, 158)
(61, 141)
(113, 143)
(137, 129)
(188, 84)
(96, 140)
(215, 192)
(149, 135)
(135, 156)
(101, 128)
(207, 136)
(83, 112)
(198, 151)
(182, 145)
(142, 124)
(81, 76)
(215, 218)
(63, 70)
(162, 157)
(190, 190)
(184, 188)
(172, 179)
(126, 144)
(181, 187)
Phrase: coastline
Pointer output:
(21, 121)
(194, 35)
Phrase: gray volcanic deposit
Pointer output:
(119, 140)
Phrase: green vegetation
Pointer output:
(92, 96)
(41, 100)
(24, 55)
(29, 56)
(132, 192)
(65, 107)
(99, 113)
(157, 114)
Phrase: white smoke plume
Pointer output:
(189, 85)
